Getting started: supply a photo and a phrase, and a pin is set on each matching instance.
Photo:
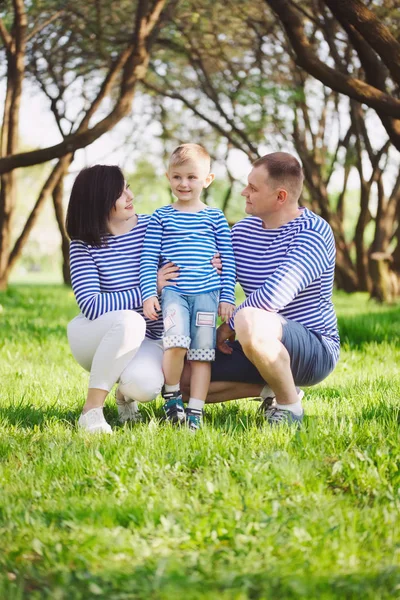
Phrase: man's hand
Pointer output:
(166, 275)
(225, 333)
(217, 263)
(226, 310)
(151, 307)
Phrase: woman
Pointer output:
(111, 338)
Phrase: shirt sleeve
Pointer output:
(150, 257)
(307, 258)
(85, 281)
(224, 245)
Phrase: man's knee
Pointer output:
(256, 327)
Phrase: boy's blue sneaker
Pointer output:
(173, 408)
(194, 417)
(279, 416)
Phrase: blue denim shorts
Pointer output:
(190, 322)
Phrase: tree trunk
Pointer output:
(58, 194)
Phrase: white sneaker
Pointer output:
(128, 410)
(94, 421)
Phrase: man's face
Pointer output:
(188, 180)
(262, 196)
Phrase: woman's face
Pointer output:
(123, 209)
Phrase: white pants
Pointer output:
(113, 348)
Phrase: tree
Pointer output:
(116, 79)
(239, 76)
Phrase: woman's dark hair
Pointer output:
(94, 194)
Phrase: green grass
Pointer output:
(235, 512)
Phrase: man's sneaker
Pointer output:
(279, 416)
(173, 408)
(128, 411)
(94, 421)
(194, 417)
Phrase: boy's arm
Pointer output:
(86, 286)
(224, 245)
(150, 257)
(309, 256)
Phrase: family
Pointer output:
(151, 287)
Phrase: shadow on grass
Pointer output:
(27, 416)
(160, 582)
(374, 327)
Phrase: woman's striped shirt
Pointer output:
(189, 240)
(290, 271)
(107, 278)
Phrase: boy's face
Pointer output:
(188, 180)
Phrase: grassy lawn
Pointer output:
(236, 512)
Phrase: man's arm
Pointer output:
(86, 286)
(308, 257)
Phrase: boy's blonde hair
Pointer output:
(186, 152)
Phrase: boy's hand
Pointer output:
(226, 310)
(151, 307)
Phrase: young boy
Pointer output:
(188, 233)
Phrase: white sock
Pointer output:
(267, 392)
(172, 388)
(196, 403)
(295, 408)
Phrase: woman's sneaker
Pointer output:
(128, 411)
(173, 408)
(194, 418)
(94, 422)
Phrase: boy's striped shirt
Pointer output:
(189, 240)
(107, 278)
(290, 271)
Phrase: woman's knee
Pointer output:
(142, 388)
(132, 324)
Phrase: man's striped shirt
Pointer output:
(189, 240)
(107, 278)
(290, 271)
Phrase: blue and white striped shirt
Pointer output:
(107, 278)
(189, 240)
(290, 271)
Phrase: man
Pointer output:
(286, 330)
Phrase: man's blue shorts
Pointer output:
(310, 358)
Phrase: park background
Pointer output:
(240, 511)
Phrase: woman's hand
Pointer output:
(151, 307)
(217, 263)
(166, 275)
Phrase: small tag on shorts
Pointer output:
(205, 319)
(168, 322)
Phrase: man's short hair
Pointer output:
(285, 170)
(190, 152)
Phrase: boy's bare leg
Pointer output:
(173, 362)
(200, 379)
(200, 376)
